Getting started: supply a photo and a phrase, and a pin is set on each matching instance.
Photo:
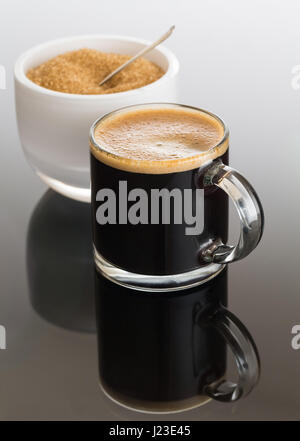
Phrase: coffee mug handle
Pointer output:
(245, 353)
(249, 209)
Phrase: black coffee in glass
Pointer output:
(160, 215)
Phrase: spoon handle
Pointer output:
(139, 54)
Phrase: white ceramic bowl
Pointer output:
(54, 126)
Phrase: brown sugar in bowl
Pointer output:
(80, 71)
(54, 126)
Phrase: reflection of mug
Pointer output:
(177, 236)
(60, 262)
(53, 126)
(165, 352)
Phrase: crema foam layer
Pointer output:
(158, 140)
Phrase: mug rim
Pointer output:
(223, 141)
(20, 75)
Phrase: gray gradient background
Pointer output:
(236, 59)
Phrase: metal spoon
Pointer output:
(139, 54)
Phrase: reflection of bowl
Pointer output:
(60, 262)
(54, 126)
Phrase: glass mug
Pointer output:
(166, 352)
(164, 253)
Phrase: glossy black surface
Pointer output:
(59, 262)
(236, 60)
